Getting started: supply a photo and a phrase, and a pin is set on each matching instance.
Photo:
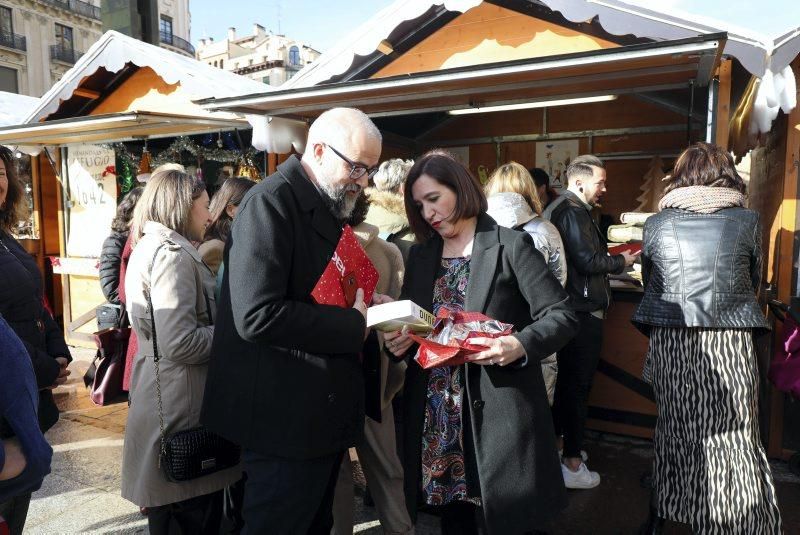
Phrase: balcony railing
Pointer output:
(177, 42)
(62, 53)
(76, 6)
(12, 40)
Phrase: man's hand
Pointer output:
(15, 459)
(629, 258)
(381, 299)
(63, 375)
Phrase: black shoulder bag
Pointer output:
(195, 452)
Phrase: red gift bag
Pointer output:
(449, 343)
(349, 269)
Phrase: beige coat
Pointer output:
(388, 262)
(183, 303)
(211, 252)
(387, 211)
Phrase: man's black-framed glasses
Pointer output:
(357, 170)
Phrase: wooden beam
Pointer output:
(786, 253)
(385, 47)
(724, 103)
(86, 93)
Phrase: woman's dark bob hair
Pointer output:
(11, 210)
(704, 164)
(446, 170)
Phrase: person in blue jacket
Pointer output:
(24, 456)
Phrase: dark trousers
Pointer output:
(14, 512)
(577, 363)
(200, 515)
(288, 496)
(461, 518)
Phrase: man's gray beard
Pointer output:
(338, 202)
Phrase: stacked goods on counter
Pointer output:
(628, 237)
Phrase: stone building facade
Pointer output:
(263, 56)
(41, 39)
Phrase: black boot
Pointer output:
(653, 526)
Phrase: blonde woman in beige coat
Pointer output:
(377, 453)
(172, 211)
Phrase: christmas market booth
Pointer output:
(540, 82)
(14, 109)
(124, 108)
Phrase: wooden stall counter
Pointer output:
(620, 401)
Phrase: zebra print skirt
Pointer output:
(710, 469)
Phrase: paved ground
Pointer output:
(82, 493)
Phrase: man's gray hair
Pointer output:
(391, 174)
(581, 167)
(335, 126)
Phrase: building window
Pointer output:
(221, 64)
(64, 38)
(294, 56)
(6, 24)
(8, 80)
(165, 27)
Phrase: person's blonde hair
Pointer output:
(514, 178)
(167, 199)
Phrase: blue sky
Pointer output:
(322, 23)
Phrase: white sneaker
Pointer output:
(582, 479)
(584, 455)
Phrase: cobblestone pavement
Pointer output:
(82, 493)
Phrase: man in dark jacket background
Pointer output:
(588, 267)
(285, 379)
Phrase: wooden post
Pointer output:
(786, 253)
(723, 103)
(272, 163)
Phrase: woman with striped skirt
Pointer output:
(702, 265)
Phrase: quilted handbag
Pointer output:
(195, 452)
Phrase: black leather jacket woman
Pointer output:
(110, 260)
(701, 270)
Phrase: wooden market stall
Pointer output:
(633, 85)
(121, 90)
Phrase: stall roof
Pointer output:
(112, 128)
(15, 108)
(635, 68)
(414, 19)
(114, 52)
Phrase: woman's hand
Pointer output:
(501, 351)
(398, 342)
(15, 459)
(63, 374)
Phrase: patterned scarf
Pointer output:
(701, 199)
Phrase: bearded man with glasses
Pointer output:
(285, 381)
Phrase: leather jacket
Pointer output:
(588, 261)
(701, 270)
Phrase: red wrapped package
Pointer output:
(448, 344)
(349, 269)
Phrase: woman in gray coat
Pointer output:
(172, 211)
